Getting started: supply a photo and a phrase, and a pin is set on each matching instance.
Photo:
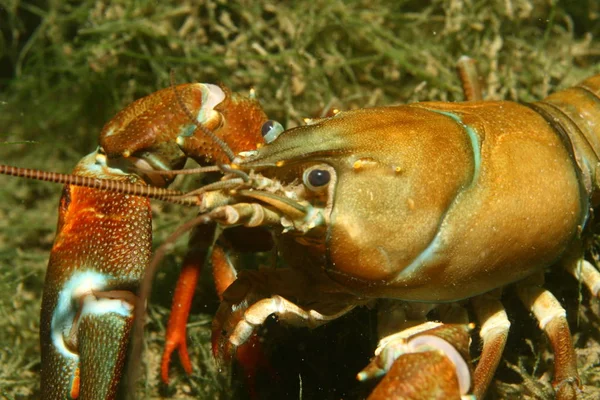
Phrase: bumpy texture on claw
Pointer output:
(417, 376)
(159, 119)
(98, 257)
(431, 364)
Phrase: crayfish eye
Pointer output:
(316, 178)
(271, 130)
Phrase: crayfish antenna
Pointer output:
(115, 186)
(188, 171)
(219, 185)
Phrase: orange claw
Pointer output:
(176, 337)
(238, 124)
(161, 123)
(250, 356)
(224, 274)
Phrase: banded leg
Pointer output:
(285, 310)
(494, 333)
(551, 317)
(469, 77)
(586, 273)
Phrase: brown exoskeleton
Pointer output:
(420, 204)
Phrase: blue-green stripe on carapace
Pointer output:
(472, 137)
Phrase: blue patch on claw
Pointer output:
(77, 299)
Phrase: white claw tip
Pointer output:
(462, 369)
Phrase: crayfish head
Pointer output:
(382, 180)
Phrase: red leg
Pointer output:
(176, 337)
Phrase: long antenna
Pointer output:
(152, 192)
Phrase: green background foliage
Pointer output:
(66, 67)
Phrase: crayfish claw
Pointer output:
(178, 343)
(409, 360)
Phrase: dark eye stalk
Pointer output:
(271, 130)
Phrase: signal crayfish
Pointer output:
(415, 207)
